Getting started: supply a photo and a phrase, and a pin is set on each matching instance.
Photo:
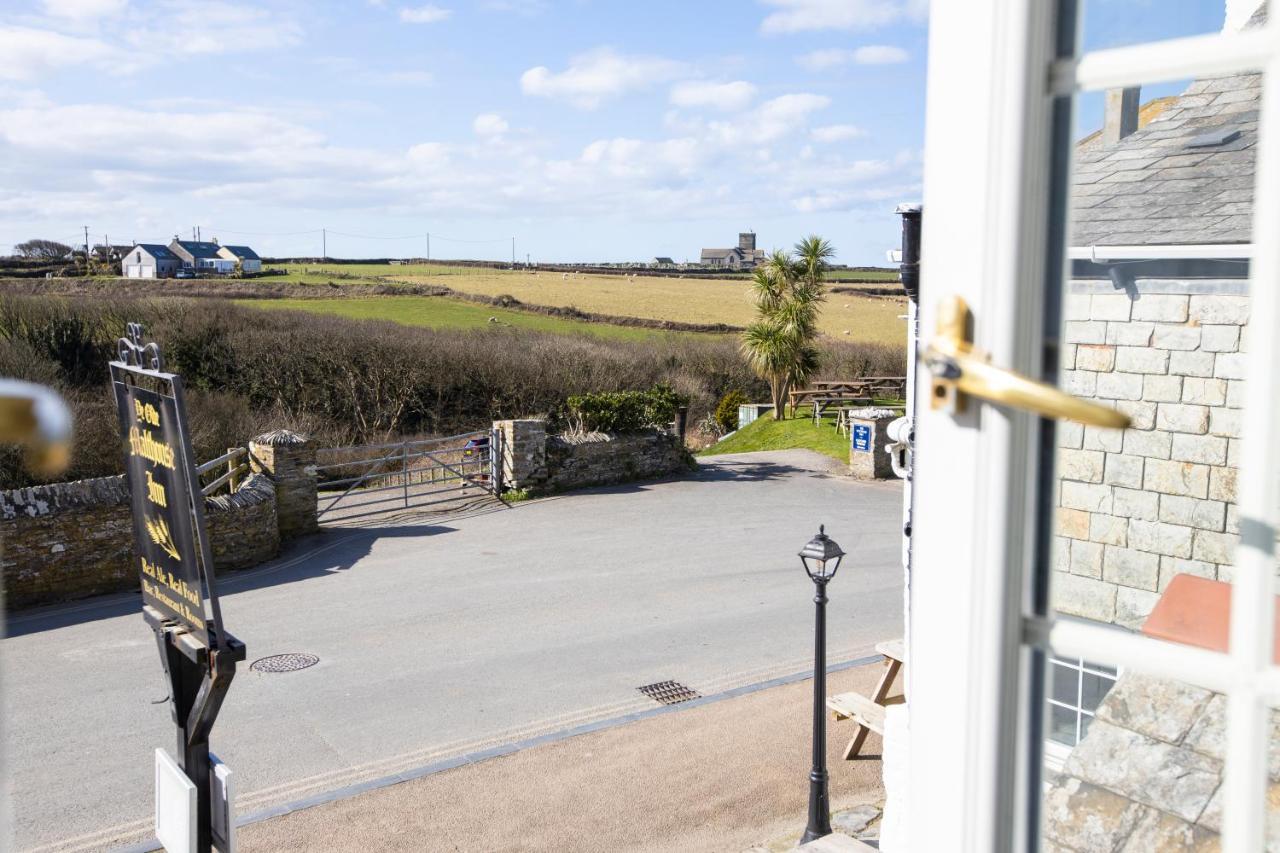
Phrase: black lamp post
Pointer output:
(820, 558)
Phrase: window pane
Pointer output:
(1119, 23)
(1066, 684)
(1155, 324)
(1093, 689)
(1062, 725)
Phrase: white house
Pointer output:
(149, 260)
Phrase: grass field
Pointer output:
(848, 317)
(438, 313)
(767, 434)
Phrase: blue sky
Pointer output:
(588, 130)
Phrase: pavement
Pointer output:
(725, 776)
(443, 636)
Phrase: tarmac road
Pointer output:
(440, 635)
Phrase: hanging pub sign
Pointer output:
(171, 547)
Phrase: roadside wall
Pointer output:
(70, 540)
(541, 463)
(1138, 506)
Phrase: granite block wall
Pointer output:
(1137, 506)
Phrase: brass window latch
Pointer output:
(960, 370)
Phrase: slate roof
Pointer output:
(200, 249)
(157, 251)
(244, 253)
(1151, 189)
(1148, 775)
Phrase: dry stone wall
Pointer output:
(533, 460)
(1138, 506)
(70, 540)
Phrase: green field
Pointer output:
(436, 312)
(765, 433)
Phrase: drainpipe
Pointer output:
(896, 766)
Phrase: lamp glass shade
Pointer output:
(821, 556)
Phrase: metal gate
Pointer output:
(357, 482)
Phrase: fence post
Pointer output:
(231, 470)
(404, 459)
(495, 459)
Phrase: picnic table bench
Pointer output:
(861, 391)
(868, 712)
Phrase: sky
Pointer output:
(587, 130)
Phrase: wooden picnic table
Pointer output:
(868, 712)
(861, 390)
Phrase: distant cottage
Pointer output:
(153, 260)
(743, 257)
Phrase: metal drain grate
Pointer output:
(669, 692)
(284, 663)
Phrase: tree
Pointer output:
(42, 249)
(780, 345)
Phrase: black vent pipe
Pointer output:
(909, 269)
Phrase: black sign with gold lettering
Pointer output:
(160, 494)
(170, 539)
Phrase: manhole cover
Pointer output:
(284, 663)
(669, 692)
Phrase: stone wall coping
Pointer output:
(280, 438)
(52, 498)
(254, 489)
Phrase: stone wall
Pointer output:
(538, 462)
(599, 459)
(70, 540)
(1137, 506)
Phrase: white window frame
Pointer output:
(980, 629)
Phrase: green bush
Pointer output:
(726, 415)
(624, 411)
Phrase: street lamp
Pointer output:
(820, 558)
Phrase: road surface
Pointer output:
(437, 636)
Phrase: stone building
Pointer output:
(744, 256)
(1157, 316)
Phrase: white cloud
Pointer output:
(795, 16)
(722, 96)
(837, 133)
(879, 54)
(27, 53)
(489, 124)
(123, 46)
(597, 76)
(872, 54)
(428, 14)
(84, 9)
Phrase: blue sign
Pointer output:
(862, 438)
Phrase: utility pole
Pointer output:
(324, 243)
(428, 247)
(513, 252)
(86, 244)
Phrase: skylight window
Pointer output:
(1214, 138)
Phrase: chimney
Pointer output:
(1121, 115)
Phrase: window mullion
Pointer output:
(1162, 61)
(1258, 499)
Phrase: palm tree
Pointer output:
(788, 290)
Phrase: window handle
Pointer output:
(961, 371)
